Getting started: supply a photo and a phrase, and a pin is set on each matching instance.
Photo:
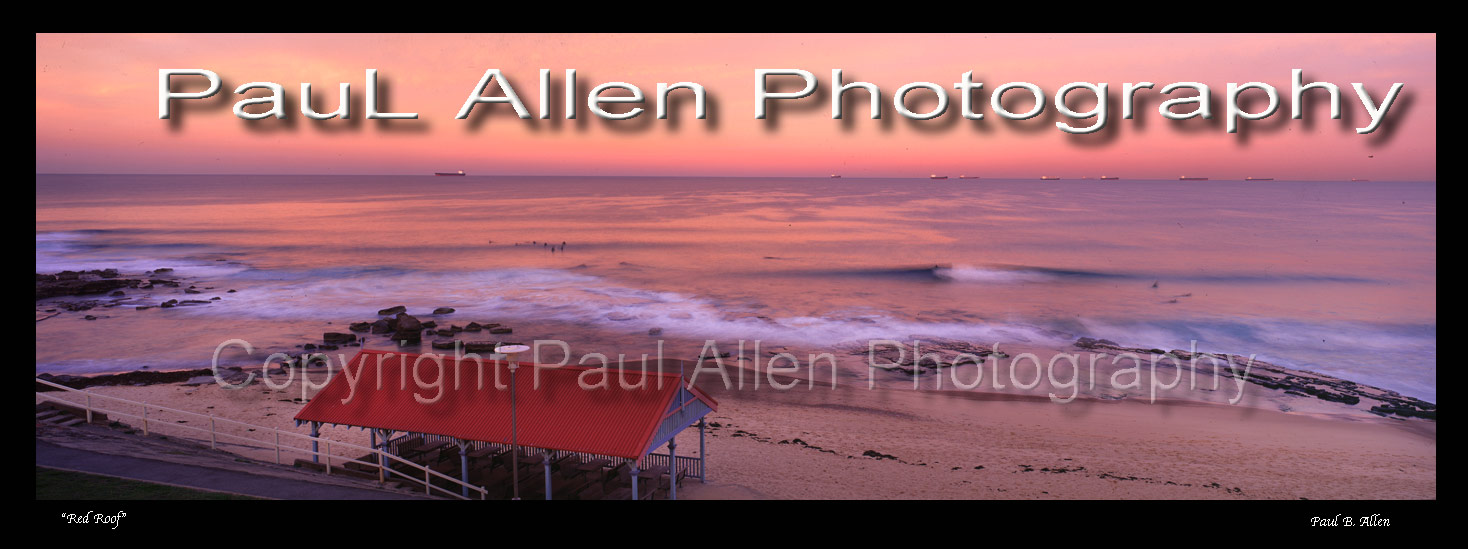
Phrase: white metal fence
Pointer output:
(89, 401)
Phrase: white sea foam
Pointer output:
(991, 275)
(548, 294)
(69, 251)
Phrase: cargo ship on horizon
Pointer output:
(1186, 178)
(460, 172)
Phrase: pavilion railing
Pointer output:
(690, 464)
(216, 439)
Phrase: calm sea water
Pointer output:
(1338, 277)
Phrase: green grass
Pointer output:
(55, 484)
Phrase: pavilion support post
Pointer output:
(463, 467)
(634, 479)
(315, 432)
(547, 474)
(703, 466)
(672, 469)
(376, 456)
(386, 446)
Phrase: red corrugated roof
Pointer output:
(559, 415)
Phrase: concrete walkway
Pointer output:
(208, 478)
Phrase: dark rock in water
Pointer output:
(192, 291)
(408, 323)
(163, 270)
(309, 347)
(1088, 343)
(163, 282)
(878, 455)
(408, 336)
(929, 356)
(443, 344)
(169, 303)
(75, 285)
(193, 302)
(143, 307)
(1406, 411)
(382, 326)
(215, 298)
(655, 331)
(360, 326)
(430, 324)
(78, 305)
(328, 347)
(479, 346)
(393, 310)
(127, 378)
(338, 337)
(230, 292)
(118, 293)
(90, 317)
(445, 332)
(501, 330)
(443, 310)
(455, 329)
(473, 327)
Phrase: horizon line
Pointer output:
(828, 176)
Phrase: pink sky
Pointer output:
(96, 106)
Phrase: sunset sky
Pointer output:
(97, 96)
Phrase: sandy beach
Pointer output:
(850, 442)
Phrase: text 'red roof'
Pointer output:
(558, 415)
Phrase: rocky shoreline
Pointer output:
(1381, 402)
(405, 330)
(112, 283)
(136, 378)
(395, 323)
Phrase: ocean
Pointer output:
(1334, 277)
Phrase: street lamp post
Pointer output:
(511, 352)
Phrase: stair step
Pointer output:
(40, 416)
(72, 422)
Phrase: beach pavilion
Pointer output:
(600, 421)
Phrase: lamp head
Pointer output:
(511, 352)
